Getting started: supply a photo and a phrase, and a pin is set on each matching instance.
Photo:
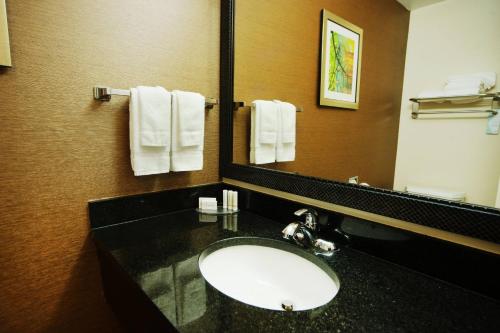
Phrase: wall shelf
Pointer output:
(495, 97)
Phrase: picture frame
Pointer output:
(341, 51)
(5, 59)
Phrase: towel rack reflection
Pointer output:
(102, 93)
(495, 97)
(242, 105)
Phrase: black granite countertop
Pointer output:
(161, 255)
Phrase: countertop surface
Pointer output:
(161, 255)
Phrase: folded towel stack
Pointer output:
(272, 137)
(463, 85)
(484, 80)
(166, 130)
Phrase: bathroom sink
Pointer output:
(269, 274)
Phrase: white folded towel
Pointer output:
(146, 160)
(488, 79)
(431, 94)
(188, 129)
(155, 108)
(285, 145)
(263, 135)
(436, 193)
(451, 93)
(473, 83)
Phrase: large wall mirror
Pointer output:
(271, 50)
(277, 52)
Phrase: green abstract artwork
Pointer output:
(340, 73)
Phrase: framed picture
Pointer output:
(4, 37)
(340, 62)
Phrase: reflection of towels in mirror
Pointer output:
(159, 286)
(264, 126)
(190, 294)
(285, 146)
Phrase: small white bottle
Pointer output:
(229, 200)
(235, 200)
(224, 199)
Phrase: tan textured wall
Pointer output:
(60, 148)
(278, 56)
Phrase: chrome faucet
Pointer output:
(305, 233)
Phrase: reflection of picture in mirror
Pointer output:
(340, 71)
(340, 64)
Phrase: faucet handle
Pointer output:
(289, 231)
(311, 217)
(303, 211)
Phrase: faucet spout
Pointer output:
(304, 233)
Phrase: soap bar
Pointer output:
(207, 203)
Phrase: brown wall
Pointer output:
(60, 148)
(277, 57)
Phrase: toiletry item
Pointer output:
(210, 205)
(493, 123)
(208, 218)
(224, 199)
(207, 203)
(229, 199)
(235, 200)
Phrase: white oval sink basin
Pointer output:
(268, 274)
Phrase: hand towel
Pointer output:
(145, 160)
(436, 94)
(432, 94)
(188, 129)
(488, 79)
(285, 145)
(473, 84)
(263, 135)
(155, 109)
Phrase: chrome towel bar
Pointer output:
(103, 93)
(495, 97)
(242, 105)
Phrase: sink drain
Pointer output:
(287, 305)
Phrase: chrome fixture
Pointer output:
(495, 98)
(103, 93)
(305, 233)
(242, 105)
